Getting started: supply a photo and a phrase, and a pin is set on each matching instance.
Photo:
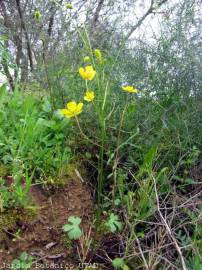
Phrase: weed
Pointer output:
(24, 262)
(72, 228)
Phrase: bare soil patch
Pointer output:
(42, 235)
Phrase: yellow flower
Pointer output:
(73, 109)
(89, 96)
(69, 6)
(86, 59)
(87, 73)
(129, 89)
(37, 15)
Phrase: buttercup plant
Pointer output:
(128, 131)
(89, 73)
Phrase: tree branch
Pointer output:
(148, 12)
(4, 61)
(29, 51)
(96, 16)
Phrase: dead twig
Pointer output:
(168, 228)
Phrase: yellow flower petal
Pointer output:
(87, 73)
(89, 96)
(82, 72)
(63, 111)
(70, 114)
(73, 109)
(71, 106)
(80, 106)
(129, 89)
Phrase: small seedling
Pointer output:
(72, 228)
(119, 263)
(113, 223)
(24, 262)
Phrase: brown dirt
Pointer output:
(43, 237)
(196, 172)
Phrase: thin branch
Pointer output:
(141, 253)
(140, 21)
(168, 228)
(84, 135)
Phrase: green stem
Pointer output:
(116, 155)
(101, 168)
(83, 134)
(86, 85)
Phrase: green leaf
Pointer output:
(24, 265)
(16, 264)
(197, 263)
(24, 256)
(2, 91)
(88, 155)
(118, 263)
(113, 223)
(140, 234)
(72, 228)
(126, 267)
(148, 160)
(117, 202)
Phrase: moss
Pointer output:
(67, 243)
(56, 182)
(69, 171)
(9, 218)
(102, 228)
(72, 171)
